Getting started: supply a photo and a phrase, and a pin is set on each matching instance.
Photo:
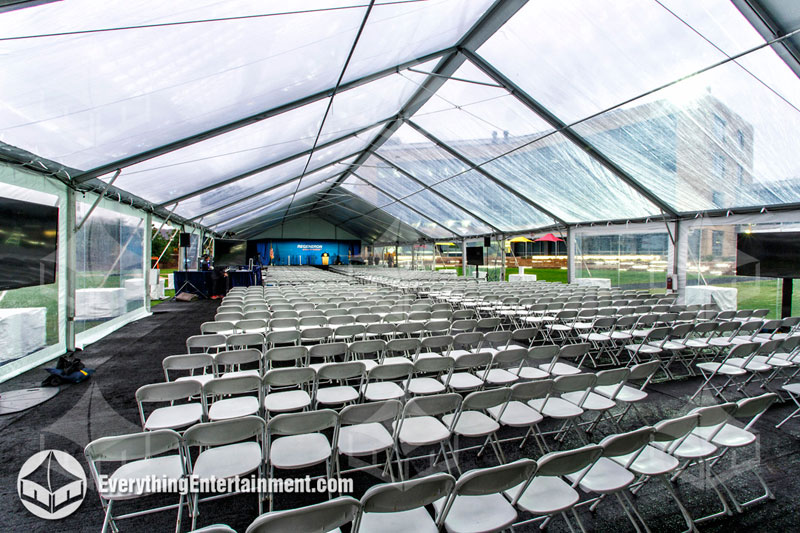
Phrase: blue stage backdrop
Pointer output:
(297, 252)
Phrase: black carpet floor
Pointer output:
(131, 357)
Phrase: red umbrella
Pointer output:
(549, 238)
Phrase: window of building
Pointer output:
(719, 128)
(717, 238)
(740, 138)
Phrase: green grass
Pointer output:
(41, 296)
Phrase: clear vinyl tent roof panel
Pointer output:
(573, 186)
(242, 188)
(414, 153)
(386, 177)
(228, 155)
(718, 140)
(479, 121)
(364, 190)
(584, 56)
(264, 198)
(113, 94)
(422, 28)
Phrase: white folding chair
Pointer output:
(322, 517)
(172, 416)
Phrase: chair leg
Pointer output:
(635, 510)
(196, 507)
(685, 512)
(107, 519)
(627, 512)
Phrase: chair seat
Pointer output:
(233, 408)
(530, 372)
(650, 462)
(200, 378)
(560, 369)
(693, 447)
(336, 395)
(774, 361)
(417, 520)
(396, 360)
(545, 495)
(166, 467)
(477, 514)
(472, 424)
(728, 437)
(603, 477)
(222, 462)
(516, 414)
(792, 388)
(174, 416)
(385, 390)
(299, 451)
(284, 402)
(642, 348)
(364, 439)
(425, 386)
(463, 381)
(721, 368)
(428, 355)
(752, 365)
(593, 401)
(556, 408)
(595, 337)
(499, 376)
(422, 430)
(626, 394)
(455, 354)
(239, 373)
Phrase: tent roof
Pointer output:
(408, 119)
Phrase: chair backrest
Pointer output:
(317, 518)
(568, 461)
(644, 371)
(245, 339)
(238, 357)
(207, 328)
(224, 431)
(434, 364)
(614, 376)
(495, 479)
(133, 446)
(531, 390)
(312, 321)
(714, 414)
(524, 336)
(485, 399)
(192, 361)
(436, 343)
(390, 372)
(204, 341)
(285, 377)
(232, 385)
(405, 346)
(370, 412)
(625, 443)
(300, 423)
(675, 429)
(473, 361)
(573, 382)
(168, 392)
(510, 357)
(338, 371)
(283, 337)
(407, 495)
(332, 349)
(753, 408)
(545, 352)
(433, 405)
(574, 351)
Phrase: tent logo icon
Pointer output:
(51, 484)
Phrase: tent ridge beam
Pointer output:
(252, 119)
(434, 191)
(567, 131)
(484, 172)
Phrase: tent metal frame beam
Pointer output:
(273, 187)
(431, 189)
(567, 131)
(491, 21)
(768, 26)
(483, 172)
(252, 119)
(335, 91)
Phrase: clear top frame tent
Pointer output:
(399, 122)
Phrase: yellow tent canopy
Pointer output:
(445, 244)
(519, 239)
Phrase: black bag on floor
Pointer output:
(69, 369)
